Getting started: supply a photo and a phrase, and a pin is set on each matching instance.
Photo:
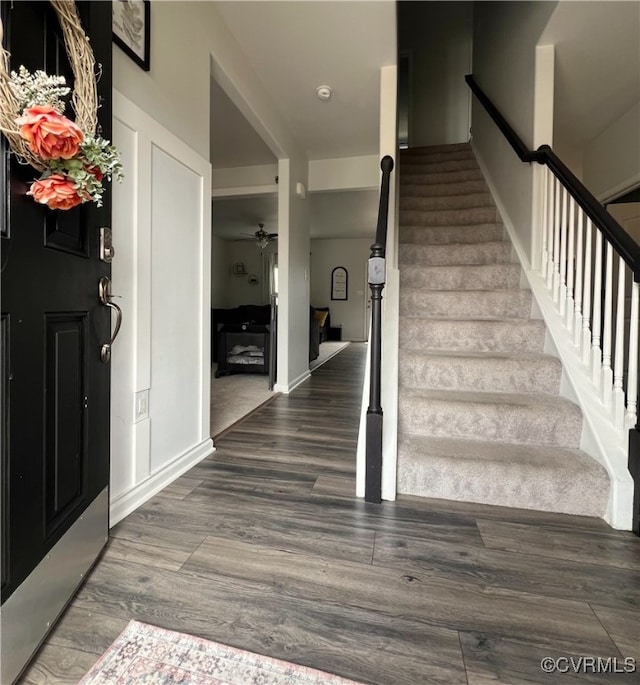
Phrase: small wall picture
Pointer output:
(339, 284)
(132, 29)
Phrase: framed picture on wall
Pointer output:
(339, 284)
(132, 29)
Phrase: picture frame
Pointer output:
(339, 283)
(131, 29)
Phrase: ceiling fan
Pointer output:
(262, 237)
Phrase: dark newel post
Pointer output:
(373, 471)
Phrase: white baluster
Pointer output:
(562, 293)
(586, 296)
(577, 317)
(544, 175)
(596, 324)
(618, 361)
(551, 228)
(570, 265)
(607, 331)
(632, 373)
(556, 243)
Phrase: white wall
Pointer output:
(352, 254)
(439, 38)
(240, 177)
(219, 273)
(161, 226)
(239, 290)
(344, 173)
(191, 44)
(293, 274)
(612, 160)
(504, 50)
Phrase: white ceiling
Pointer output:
(296, 46)
(594, 86)
(293, 47)
(344, 214)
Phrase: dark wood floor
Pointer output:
(262, 546)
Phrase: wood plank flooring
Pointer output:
(264, 547)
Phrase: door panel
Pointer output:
(55, 389)
(65, 433)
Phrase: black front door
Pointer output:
(55, 388)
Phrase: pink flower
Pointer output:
(49, 134)
(55, 191)
(95, 170)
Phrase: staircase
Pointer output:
(480, 415)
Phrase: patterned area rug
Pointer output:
(146, 655)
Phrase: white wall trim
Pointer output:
(286, 388)
(244, 191)
(129, 501)
(344, 173)
(132, 449)
(599, 440)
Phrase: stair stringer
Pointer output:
(600, 439)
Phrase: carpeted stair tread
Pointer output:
(422, 165)
(480, 417)
(448, 147)
(466, 277)
(446, 235)
(519, 418)
(480, 371)
(437, 157)
(458, 189)
(533, 477)
(498, 335)
(430, 203)
(449, 217)
(415, 176)
(476, 304)
(456, 254)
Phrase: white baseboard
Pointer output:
(286, 388)
(129, 501)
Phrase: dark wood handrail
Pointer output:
(377, 267)
(620, 240)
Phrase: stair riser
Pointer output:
(472, 336)
(449, 217)
(450, 255)
(518, 424)
(485, 277)
(492, 304)
(422, 178)
(483, 374)
(443, 189)
(421, 166)
(447, 202)
(443, 235)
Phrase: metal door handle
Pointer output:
(104, 290)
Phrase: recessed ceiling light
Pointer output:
(323, 92)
